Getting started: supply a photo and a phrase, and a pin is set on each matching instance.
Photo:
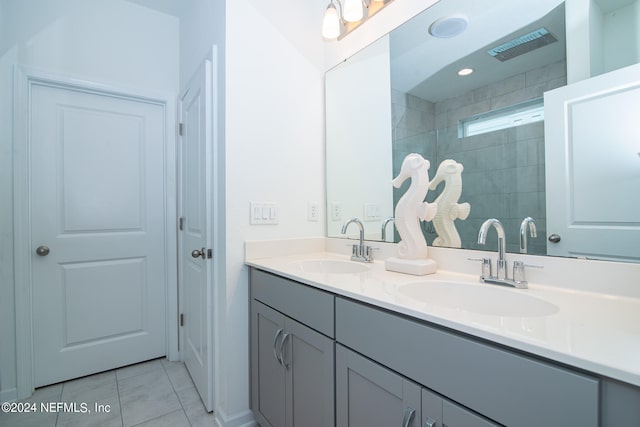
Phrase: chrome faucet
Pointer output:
(518, 279)
(384, 227)
(359, 252)
(482, 239)
(528, 221)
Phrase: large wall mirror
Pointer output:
(402, 94)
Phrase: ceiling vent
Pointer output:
(523, 44)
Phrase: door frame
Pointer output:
(24, 79)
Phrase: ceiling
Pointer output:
(417, 58)
(170, 7)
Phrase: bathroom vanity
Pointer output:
(365, 354)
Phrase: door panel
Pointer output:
(97, 290)
(97, 203)
(84, 205)
(195, 188)
(592, 165)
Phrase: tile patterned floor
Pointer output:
(154, 393)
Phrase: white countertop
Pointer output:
(597, 332)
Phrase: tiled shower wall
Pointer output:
(503, 174)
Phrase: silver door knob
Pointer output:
(42, 250)
(198, 253)
(554, 238)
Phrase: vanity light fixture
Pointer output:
(331, 22)
(347, 15)
(465, 71)
(353, 10)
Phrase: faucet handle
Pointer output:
(522, 264)
(519, 272)
(368, 253)
(355, 251)
(487, 270)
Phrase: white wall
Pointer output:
(112, 42)
(596, 30)
(621, 27)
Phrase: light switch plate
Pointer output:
(263, 213)
(371, 212)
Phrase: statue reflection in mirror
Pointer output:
(450, 172)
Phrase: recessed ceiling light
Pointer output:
(448, 26)
(465, 71)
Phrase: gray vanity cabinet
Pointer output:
(292, 364)
(369, 395)
(395, 370)
(511, 388)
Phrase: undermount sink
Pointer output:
(480, 299)
(330, 266)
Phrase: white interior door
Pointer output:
(592, 151)
(98, 234)
(195, 252)
(592, 140)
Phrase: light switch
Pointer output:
(264, 213)
(371, 212)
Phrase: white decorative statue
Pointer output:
(449, 209)
(411, 209)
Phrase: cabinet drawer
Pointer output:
(307, 305)
(505, 386)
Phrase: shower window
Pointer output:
(515, 115)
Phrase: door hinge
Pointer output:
(209, 253)
(181, 223)
(181, 319)
(180, 129)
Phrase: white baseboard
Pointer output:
(241, 419)
(9, 395)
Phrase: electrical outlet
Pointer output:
(312, 211)
(336, 211)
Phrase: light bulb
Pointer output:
(353, 10)
(331, 23)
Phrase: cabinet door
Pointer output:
(457, 416)
(440, 412)
(267, 373)
(309, 360)
(431, 409)
(370, 395)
